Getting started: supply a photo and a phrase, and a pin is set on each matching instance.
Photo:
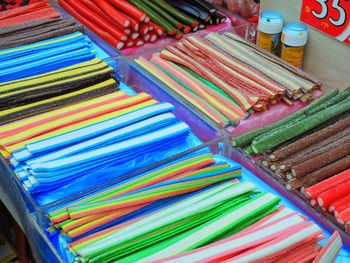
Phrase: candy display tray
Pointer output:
(203, 134)
(51, 246)
(294, 196)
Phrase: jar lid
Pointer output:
(294, 34)
(270, 22)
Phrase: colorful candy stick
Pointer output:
(174, 85)
(21, 145)
(167, 215)
(182, 167)
(204, 234)
(237, 243)
(330, 250)
(171, 188)
(198, 88)
(74, 117)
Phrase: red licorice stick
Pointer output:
(344, 217)
(147, 37)
(179, 35)
(313, 191)
(22, 10)
(94, 8)
(153, 38)
(135, 35)
(98, 20)
(143, 29)
(158, 29)
(326, 198)
(103, 34)
(129, 9)
(130, 42)
(341, 209)
(134, 25)
(45, 13)
(113, 13)
(139, 42)
(187, 29)
(339, 203)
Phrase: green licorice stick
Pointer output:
(249, 150)
(300, 127)
(207, 232)
(163, 13)
(224, 209)
(156, 18)
(246, 224)
(176, 13)
(336, 99)
(245, 139)
(193, 93)
(136, 246)
(201, 202)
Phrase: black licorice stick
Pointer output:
(187, 20)
(21, 114)
(164, 13)
(219, 18)
(194, 11)
(204, 5)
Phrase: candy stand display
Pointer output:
(158, 131)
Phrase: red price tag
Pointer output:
(329, 16)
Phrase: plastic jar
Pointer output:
(270, 27)
(294, 39)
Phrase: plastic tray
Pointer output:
(294, 197)
(49, 248)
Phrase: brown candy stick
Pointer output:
(344, 137)
(320, 175)
(321, 160)
(320, 135)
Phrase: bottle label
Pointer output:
(269, 42)
(293, 55)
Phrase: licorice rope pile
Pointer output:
(310, 152)
(225, 77)
(136, 22)
(190, 210)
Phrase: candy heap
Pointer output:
(308, 149)
(53, 90)
(190, 210)
(136, 194)
(135, 22)
(225, 77)
(92, 139)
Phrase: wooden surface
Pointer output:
(325, 58)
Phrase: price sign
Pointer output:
(329, 16)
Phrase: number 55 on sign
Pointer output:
(329, 16)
